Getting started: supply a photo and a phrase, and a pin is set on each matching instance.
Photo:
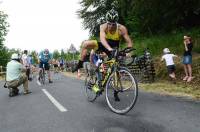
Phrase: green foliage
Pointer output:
(173, 41)
(62, 54)
(35, 58)
(93, 14)
(3, 27)
(56, 54)
(4, 55)
(142, 17)
(66, 56)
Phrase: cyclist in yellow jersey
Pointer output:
(111, 33)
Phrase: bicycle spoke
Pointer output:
(126, 88)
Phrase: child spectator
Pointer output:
(168, 57)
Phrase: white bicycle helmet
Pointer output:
(112, 16)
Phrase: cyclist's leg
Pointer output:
(39, 73)
(47, 66)
(116, 95)
(89, 44)
(40, 68)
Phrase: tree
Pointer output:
(73, 53)
(4, 55)
(142, 17)
(3, 27)
(62, 54)
(93, 14)
(56, 54)
(35, 58)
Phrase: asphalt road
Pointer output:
(73, 113)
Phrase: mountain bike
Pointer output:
(116, 80)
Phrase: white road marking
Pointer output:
(54, 101)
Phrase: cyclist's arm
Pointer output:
(39, 57)
(103, 37)
(126, 36)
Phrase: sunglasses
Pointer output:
(111, 23)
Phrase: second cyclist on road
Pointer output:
(45, 58)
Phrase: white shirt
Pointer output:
(168, 59)
(14, 70)
(25, 60)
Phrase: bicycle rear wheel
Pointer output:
(124, 84)
(89, 83)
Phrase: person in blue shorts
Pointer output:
(187, 58)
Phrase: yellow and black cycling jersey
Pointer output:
(113, 36)
(113, 40)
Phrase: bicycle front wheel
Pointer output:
(121, 91)
(42, 78)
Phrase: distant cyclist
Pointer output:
(111, 33)
(45, 58)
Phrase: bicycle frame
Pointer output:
(110, 80)
(112, 67)
(109, 70)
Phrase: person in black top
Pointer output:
(187, 58)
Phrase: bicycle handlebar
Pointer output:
(127, 50)
(115, 52)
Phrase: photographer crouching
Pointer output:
(15, 76)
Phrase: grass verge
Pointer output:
(179, 89)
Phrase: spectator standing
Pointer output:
(26, 63)
(187, 58)
(61, 61)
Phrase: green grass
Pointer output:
(167, 88)
(173, 41)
